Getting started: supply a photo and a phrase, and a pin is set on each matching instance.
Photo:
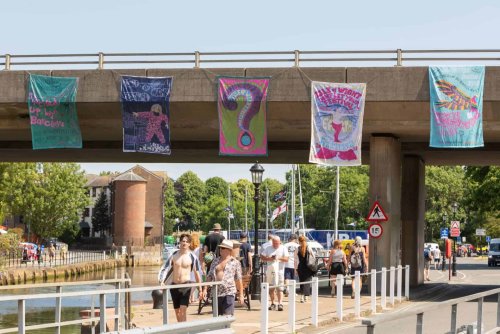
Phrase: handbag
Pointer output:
(311, 262)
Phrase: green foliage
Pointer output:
(101, 221)
(189, 195)
(171, 210)
(215, 186)
(49, 201)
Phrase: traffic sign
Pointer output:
(444, 233)
(480, 231)
(377, 214)
(455, 229)
(488, 239)
(375, 230)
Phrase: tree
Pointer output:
(101, 221)
(215, 186)
(190, 192)
(50, 200)
(171, 210)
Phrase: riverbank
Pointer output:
(39, 274)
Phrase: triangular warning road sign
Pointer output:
(455, 224)
(377, 214)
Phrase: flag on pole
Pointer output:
(279, 210)
(280, 196)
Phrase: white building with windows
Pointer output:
(95, 186)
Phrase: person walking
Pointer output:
(337, 263)
(276, 256)
(208, 253)
(305, 274)
(52, 253)
(246, 254)
(437, 257)
(291, 246)
(177, 270)
(357, 260)
(427, 263)
(226, 269)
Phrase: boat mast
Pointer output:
(301, 204)
(267, 212)
(229, 212)
(337, 200)
(246, 209)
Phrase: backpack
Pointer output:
(427, 254)
(356, 259)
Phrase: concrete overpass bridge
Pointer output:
(395, 132)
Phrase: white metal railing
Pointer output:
(419, 313)
(121, 318)
(292, 285)
(296, 57)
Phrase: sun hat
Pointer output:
(226, 244)
(217, 227)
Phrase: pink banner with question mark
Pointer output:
(242, 116)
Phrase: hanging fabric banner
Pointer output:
(337, 111)
(145, 114)
(456, 95)
(52, 109)
(242, 116)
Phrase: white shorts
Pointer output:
(274, 278)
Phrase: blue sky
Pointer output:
(54, 26)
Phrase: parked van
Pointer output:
(494, 252)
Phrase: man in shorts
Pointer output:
(276, 257)
(178, 269)
(291, 246)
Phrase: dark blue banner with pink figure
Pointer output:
(146, 114)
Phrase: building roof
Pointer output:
(158, 175)
(129, 176)
(100, 181)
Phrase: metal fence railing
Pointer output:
(440, 307)
(17, 260)
(395, 294)
(296, 58)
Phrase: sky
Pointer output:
(90, 26)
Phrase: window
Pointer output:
(86, 212)
(94, 191)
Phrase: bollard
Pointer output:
(357, 294)
(340, 297)
(314, 302)
(400, 282)
(383, 289)
(292, 286)
(391, 284)
(407, 282)
(264, 304)
(374, 290)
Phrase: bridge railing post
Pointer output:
(7, 62)
(373, 291)
(340, 297)
(314, 302)
(297, 58)
(399, 57)
(392, 272)
(264, 304)
(400, 283)
(383, 289)
(479, 315)
(102, 310)
(58, 310)
(407, 282)
(101, 61)
(357, 294)
(197, 59)
(292, 286)
(21, 316)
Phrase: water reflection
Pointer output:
(40, 311)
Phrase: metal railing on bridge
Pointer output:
(296, 58)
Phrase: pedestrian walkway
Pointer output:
(250, 321)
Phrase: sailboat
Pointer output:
(297, 226)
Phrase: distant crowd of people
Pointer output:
(227, 261)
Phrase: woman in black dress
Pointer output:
(305, 274)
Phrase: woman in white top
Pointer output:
(337, 263)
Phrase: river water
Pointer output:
(40, 311)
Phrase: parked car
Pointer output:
(168, 249)
(494, 252)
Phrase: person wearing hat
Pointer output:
(226, 269)
(245, 254)
(210, 247)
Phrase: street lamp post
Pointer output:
(256, 170)
(445, 218)
(454, 264)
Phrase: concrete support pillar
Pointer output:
(413, 216)
(385, 187)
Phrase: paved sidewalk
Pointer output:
(249, 321)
